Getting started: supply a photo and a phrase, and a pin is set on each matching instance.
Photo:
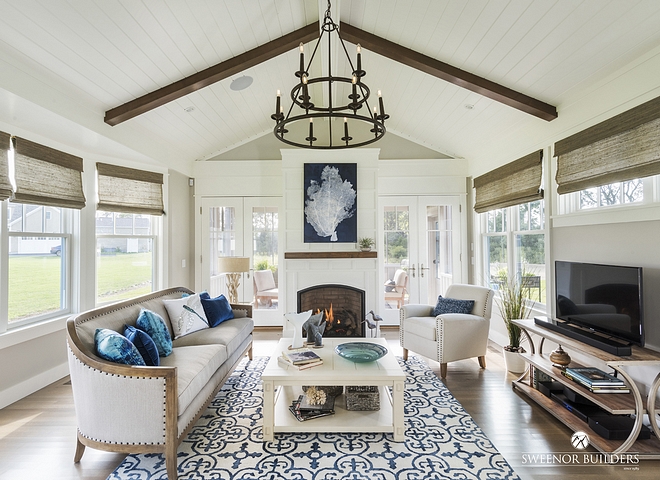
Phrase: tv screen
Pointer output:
(603, 298)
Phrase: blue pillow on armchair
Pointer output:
(452, 305)
(144, 343)
(217, 309)
(115, 347)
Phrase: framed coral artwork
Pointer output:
(330, 194)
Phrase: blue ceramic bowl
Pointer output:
(361, 352)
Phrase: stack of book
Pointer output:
(596, 380)
(301, 359)
(303, 410)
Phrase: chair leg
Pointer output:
(405, 354)
(80, 450)
(443, 370)
(249, 353)
(170, 462)
(482, 361)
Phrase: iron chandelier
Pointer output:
(356, 115)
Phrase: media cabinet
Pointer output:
(617, 404)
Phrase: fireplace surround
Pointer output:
(343, 307)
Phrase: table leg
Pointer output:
(397, 411)
(269, 411)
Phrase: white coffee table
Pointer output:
(282, 384)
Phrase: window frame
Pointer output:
(69, 220)
(155, 236)
(512, 229)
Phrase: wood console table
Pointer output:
(617, 404)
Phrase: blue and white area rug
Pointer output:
(442, 441)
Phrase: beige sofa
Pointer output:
(141, 409)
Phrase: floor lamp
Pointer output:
(233, 267)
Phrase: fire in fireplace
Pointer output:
(343, 308)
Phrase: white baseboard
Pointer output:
(31, 385)
(498, 338)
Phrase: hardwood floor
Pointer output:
(37, 434)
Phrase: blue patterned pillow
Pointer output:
(115, 347)
(144, 343)
(452, 305)
(217, 309)
(154, 325)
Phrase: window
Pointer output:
(514, 241)
(618, 193)
(124, 255)
(38, 262)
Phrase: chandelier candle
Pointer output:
(328, 107)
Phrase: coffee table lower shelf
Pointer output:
(343, 421)
(646, 449)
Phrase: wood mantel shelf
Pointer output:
(317, 255)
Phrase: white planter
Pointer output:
(514, 362)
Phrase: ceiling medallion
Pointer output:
(358, 119)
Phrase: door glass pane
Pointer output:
(396, 236)
(265, 257)
(222, 232)
(440, 264)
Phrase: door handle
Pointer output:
(421, 270)
(412, 267)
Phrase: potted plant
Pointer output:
(366, 243)
(513, 305)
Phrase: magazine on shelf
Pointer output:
(304, 415)
(598, 388)
(283, 361)
(594, 377)
(301, 357)
(305, 406)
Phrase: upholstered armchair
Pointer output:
(265, 289)
(450, 336)
(398, 288)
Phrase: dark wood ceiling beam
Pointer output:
(211, 75)
(448, 73)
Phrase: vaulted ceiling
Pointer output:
(77, 59)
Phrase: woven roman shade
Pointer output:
(511, 184)
(45, 176)
(128, 190)
(624, 147)
(5, 185)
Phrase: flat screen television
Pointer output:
(601, 298)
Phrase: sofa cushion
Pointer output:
(115, 347)
(231, 333)
(452, 305)
(144, 343)
(186, 315)
(195, 365)
(154, 325)
(217, 309)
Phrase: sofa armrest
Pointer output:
(461, 336)
(415, 310)
(245, 307)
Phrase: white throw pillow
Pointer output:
(186, 315)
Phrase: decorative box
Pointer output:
(362, 398)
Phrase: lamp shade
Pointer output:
(233, 264)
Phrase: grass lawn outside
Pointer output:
(120, 276)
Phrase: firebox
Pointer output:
(343, 308)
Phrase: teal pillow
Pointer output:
(154, 325)
(452, 305)
(144, 343)
(115, 347)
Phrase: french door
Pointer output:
(421, 236)
(243, 227)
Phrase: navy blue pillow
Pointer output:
(115, 347)
(452, 305)
(144, 343)
(217, 309)
(154, 325)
